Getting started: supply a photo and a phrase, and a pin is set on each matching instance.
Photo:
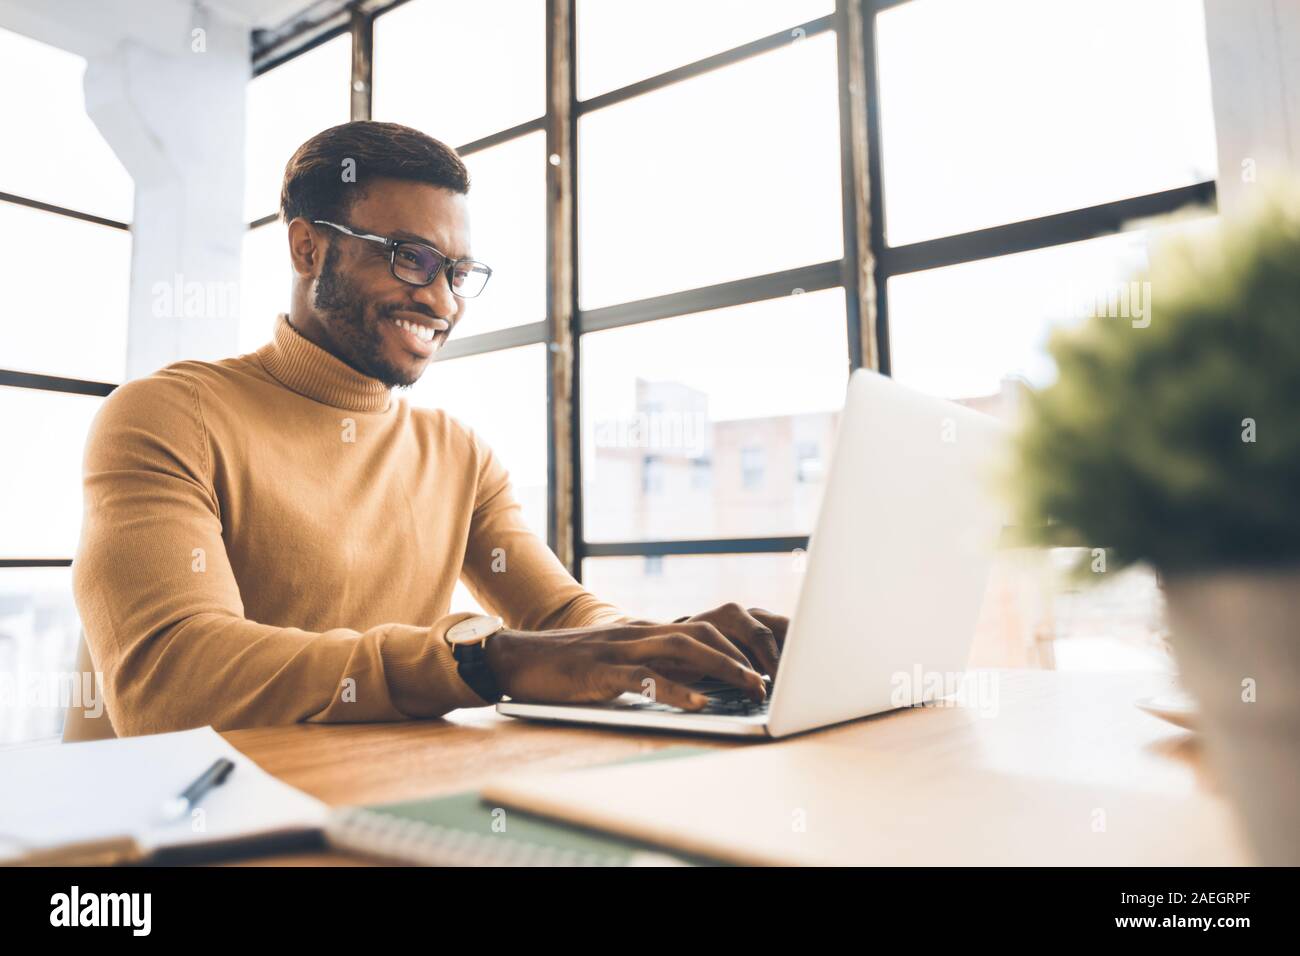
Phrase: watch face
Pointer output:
(473, 629)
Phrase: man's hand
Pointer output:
(759, 633)
(591, 664)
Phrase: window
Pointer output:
(39, 630)
(753, 465)
(65, 208)
(688, 584)
(286, 107)
(53, 150)
(808, 462)
(652, 475)
(1012, 208)
(40, 490)
(507, 205)
(978, 331)
(620, 43)
(1005, 110)
(1027, 153)
(721, 382)
(676, 183)
(701, 474)
(962, 331)
(461, 71)
(751, 150)
(710, 237)
(47, 305)
(1113, 625)
(1007, 207)
(265, 283)
(501, 395)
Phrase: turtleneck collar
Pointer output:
(306, 368)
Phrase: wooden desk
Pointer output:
(1068, 726)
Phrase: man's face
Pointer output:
(359, 306)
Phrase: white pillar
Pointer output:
(1254, 48)
(175, 117)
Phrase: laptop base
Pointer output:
(622, 715)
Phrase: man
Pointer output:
(275, 537)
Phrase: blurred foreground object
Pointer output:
(1175, 441)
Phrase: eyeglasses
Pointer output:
(419, 263)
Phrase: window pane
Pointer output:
(288, 106)
(965, 331)
(1115, 624)
(731, 174)
(664, 588)
(39, 629)
(507, 202)
(1035, 612)
(53, 151)
(265, 278)
(459, 71)
(712, 425)
(502, 396)
(1005, 110)
(40, 491)
(64, 300)
(620, 43)
(1038, 613)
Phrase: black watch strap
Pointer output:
(472, 665)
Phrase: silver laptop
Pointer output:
(895, 576)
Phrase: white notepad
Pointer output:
(102, 801)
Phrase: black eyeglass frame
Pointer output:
(392, 245)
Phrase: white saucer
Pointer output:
(1176, 707)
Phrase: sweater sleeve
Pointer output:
(511, 571)
(161, 608)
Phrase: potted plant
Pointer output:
(1175, 441)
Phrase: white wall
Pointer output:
(1254, 48)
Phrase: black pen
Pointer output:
(214, 776)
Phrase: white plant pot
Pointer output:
(1236, 637)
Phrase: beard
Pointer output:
(345, 310)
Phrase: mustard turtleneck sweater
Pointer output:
(275, 537)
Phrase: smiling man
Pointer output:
(275, 538)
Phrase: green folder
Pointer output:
(462, 830)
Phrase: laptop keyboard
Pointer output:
(724, 700)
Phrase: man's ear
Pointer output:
(306, 248)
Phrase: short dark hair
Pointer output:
(315, 185)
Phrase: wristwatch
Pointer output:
(467, 639)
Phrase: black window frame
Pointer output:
(38, 382)
(863, 272)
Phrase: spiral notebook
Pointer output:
(462, 830)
